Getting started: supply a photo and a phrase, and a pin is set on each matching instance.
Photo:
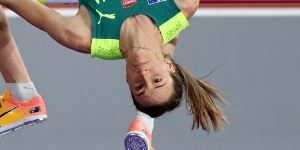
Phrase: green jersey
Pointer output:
(108, 16)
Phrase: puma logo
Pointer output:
(109, 16)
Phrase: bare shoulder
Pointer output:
(188, 7)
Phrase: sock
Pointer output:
(22, 91)
(146, 119)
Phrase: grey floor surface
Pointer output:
(89, 105)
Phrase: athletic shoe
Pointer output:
(15, 115)
(138, 137)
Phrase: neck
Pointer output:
(139, 32)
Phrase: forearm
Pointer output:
(35, 13)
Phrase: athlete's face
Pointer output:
(148, 77)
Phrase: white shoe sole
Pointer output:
(29, 121)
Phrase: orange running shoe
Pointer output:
(138, 137)
(15, 115)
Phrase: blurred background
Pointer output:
(258, 70)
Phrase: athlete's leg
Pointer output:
(21, 105)
(72, 32)
(11, 64)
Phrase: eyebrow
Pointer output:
(154, 87)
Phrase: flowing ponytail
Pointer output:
(199, 97)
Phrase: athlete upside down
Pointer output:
(142, 32)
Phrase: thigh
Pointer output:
(75, 32)
(188, 7)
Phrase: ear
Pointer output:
(170, 65)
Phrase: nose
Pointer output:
(142, 71)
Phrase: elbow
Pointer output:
(190, 7)
(194, 5)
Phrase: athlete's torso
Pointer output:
(107, 17)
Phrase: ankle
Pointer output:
(146, 119)
(22, 91)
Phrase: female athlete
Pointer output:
(143, 32)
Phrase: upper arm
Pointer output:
(68, 31)
(188, 8)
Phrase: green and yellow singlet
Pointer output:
(108, 16)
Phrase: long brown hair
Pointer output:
(199, 97)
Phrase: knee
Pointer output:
(3, 21)
(4, 32)
(3, 26)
